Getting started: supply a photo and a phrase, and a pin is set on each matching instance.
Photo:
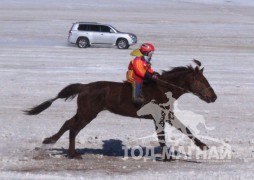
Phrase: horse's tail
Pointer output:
(69, 92)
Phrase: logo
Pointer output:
(182, 131)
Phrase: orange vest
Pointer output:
(137, 69)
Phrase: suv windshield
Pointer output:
(114, 29)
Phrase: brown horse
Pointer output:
(116, 97)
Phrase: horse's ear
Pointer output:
(202, 70)
(197, 69)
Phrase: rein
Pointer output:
(167, 83)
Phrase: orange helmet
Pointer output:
(146, 48)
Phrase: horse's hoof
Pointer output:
(170, 159)
(75, 156)
(48, 141)
(166, 159)
(201, 145)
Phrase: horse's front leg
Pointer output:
(181, 127)
(199, 143)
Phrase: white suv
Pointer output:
(85, 34)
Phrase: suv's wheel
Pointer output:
(122, 44)
(83, 42)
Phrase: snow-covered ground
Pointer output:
(36, 62)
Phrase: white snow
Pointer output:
(36, 62)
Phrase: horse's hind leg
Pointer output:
(63, 129)
(72, 151)
(74, 130)
(89, 105)
(81, 121)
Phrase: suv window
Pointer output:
(83, 27)
(86, 27)
(105, 29)
(94, 28)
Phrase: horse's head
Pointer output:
(199, 85)
(190, 79)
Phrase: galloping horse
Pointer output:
(116, 97)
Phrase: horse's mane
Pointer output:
(174, 70)
(182, 69)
